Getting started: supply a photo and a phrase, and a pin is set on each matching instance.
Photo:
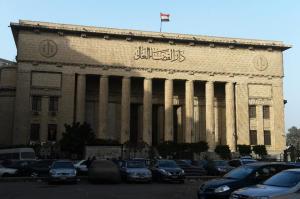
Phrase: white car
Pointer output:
(6, 172)
(81, 166)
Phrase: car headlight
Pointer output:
(181, 172)
(222, 189)
(221, 169)
(53, 172)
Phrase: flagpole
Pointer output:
(160, 25)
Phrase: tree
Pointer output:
(260, 150)
(293, 137)
(76, 137)
(244, 149)
(223, 151)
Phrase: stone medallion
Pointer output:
(48, 48)
(260, 62)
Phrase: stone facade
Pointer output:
(136, 85)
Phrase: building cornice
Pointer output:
(108, 33)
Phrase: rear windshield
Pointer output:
(284, 179)
(28, 155)
(63, 165)
(167, 164)
(136, 164)
(240, 172)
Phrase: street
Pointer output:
(85, 190)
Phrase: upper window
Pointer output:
(266, 112)
(53, 104)
(36, 103)
(252, 111)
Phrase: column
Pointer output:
(210, 120)
(125, 110)
(168, 110)
(189, 111)
(147, 111)
(230, 124)
(103, 108)
(218, 135)
(44, 119)
(80, 98)
(260, 124)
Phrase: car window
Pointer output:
(265, 172)
(66, 165)
(135, 164)
(234, 163)
(167, 163)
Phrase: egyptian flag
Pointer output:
(164, 17)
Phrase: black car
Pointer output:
(23, 166)
(243, 176)
(40, 168)
(167, 170)
(189, 169)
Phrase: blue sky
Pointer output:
(257, 19)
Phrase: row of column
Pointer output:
(168, 106)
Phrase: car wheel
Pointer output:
(5, 175)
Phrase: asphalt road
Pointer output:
(84, 190)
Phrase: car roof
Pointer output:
(259, 164)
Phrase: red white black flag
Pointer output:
(164, 17)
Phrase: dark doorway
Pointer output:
(155, 136)
(134, 117)
(175, 124)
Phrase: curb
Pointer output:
(83, 178)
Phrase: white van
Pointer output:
(17, 154)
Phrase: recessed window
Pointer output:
(34, 132)
(52, 131)
(53, 104)
(36, 103)
(266, 112)
(252, 111)
(253, 137)
(267, 137)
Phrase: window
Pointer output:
(52, 130)
(266, 112)
(53, 104)
(36, 103)
(35, 132)
(252, 111)
(253, 137)
(267, 137)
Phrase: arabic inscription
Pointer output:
(157, 54)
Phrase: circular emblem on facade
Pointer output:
(48, 48)
(260, 62)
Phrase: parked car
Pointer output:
(17, 154)
(167, 170)
(81, 167)
(240, 177)
(282, 183)
(189, 169)
(40, 168)
(62, 171)
(217, 167)
(135, 170)
(104, 171)
(7, 172)
(240, 162)
(23, 166)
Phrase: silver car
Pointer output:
(62, 171)
(283, 183)
(135, 170)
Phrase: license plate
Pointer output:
(63, 178)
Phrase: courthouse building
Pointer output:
(142, 86)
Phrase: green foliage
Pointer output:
(181, 149)
(260, 150)
(293, 137)
(75, 137)
(244, 149)
(223, 151)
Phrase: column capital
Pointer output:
(103, 76)
(126, 77)
(148, 78)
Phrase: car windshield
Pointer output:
(284, 179)
(239, 173)
(135, 164)
(221, 163)
(63, 165)
(28, 155)
(167, 163)
(248, 161)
